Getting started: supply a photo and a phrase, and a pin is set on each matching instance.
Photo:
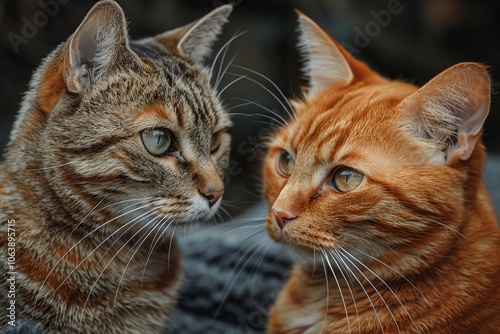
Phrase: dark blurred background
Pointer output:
(408, 40)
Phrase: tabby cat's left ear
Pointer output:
(448, 113)
(98, 43)
(326, 63)
(194, 41)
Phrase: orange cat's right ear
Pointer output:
(326, 62)
(447, 114)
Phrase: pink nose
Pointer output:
(283, 217)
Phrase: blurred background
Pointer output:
(407, 40)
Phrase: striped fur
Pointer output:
(415, 247)
(95, 212)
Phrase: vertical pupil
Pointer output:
(347, 176)
(159, 137)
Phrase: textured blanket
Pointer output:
(233, 272)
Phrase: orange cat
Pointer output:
(376, 185)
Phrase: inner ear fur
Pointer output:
(449, 111)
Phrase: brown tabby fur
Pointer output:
(415, 248)
(93, 209)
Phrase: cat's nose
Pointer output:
(283, 217)
(212, 196)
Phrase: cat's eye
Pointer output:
(157, 141)
(215, 142)
(346, 179)
(284, 163)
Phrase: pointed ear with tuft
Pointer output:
(448, 112)
(194, 41)
(98, 43)
(326, 62)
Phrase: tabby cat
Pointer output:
(376, 186)
(117, 144)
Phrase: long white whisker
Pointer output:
(93, 251)
(267, 90)
(390, 289)
(155, 241)
(339, 287)
(394, 270)
(290, 110)
(229, 85)
(338, 261)
(371, 284)
(37, 292)
(225, 46)
(280, 119)
(144, 237)
(327, 293)
(138, 220)
(364, 290)
(228, 288)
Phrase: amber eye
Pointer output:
(215, 142)
(157, 141)
(346, 179)
(284, 163)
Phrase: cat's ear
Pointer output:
(326, 62)
(449, 111)
(194, 41)
(96, 45)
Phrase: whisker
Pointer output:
(371, 284)
(229, 85)
(394, 270)
(155, 241)
(365, 292)
(390, 289)
(289, 110)
(115, 254)
(224, 71)
(144, 237)
(280, 119)
(327, 294)
(457, 233)
(225, 46)
(339, 287)
(266, 89)
(233, 280)
(38, 291)
(338, 261)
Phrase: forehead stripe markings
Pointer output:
(156, 110)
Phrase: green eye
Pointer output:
(157, 141)
(215, 142)
(346, 179)
(285, 163)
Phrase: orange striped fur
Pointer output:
(376, 187)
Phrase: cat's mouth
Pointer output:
(158, 216)
(296, 234)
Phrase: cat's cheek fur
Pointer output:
(414, 249)
(82, 188)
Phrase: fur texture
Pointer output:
(376, 186)
(117, 144)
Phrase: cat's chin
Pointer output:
(165, 224)
(304, 256)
